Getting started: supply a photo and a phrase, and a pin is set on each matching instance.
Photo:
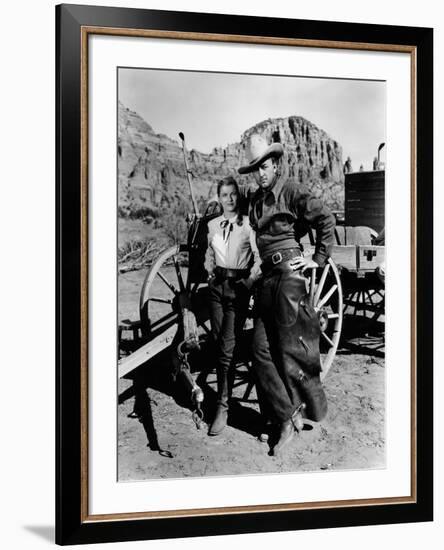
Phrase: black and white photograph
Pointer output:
(251, 274)
(221, 299)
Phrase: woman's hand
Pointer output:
(303, 263)
(243, 284)
(246, 283)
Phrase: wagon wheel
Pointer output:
(325, 291)
(369, 301)
(165, 281)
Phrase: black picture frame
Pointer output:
(73, 526)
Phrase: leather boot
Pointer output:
(285, 436)
(288, 428)
(220, 420)
(221, 416)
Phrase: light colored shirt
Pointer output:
(232, 246)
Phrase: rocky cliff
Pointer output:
(152, 177)
(312, 156)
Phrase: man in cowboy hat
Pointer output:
(286, 360)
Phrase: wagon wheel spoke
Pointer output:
(321, 284)
(179, 274)
(358, 299)
(327, 338)
(370, 298)
(351, 301)
(160, 300)
(312, 285)
(379, 310)
(166, 281)
(204, 326)
(170, 317)
(378, 292)
(364, 309)
(327, 296)
(349, 298)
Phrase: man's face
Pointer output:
(265, 174)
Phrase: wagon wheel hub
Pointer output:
(323, 319)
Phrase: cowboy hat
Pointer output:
(258, 151)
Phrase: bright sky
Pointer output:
(214, 109)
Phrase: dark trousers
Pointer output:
(228, 309)
(286, 360)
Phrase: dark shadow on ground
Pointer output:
(158, 373)
(360, 335)
(245, 419)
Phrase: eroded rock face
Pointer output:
(151, 171)
(152, 177)
(312, 157)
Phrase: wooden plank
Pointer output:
(377, 190)
(374, 185)
(370, 256)
(369, 211)
(365, 177)
(372, 208)
(369, 214)
(365, 199)
(341, 255)
(344, 256)
(361, 216)
(147, 351)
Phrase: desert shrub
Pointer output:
(174, 222)
(136, 254)
(137, 212)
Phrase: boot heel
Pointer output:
(219, 422)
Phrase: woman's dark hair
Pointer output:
(227, 181)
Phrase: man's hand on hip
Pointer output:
(303, 263)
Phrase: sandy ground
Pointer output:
(157, 437)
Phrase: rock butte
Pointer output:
(151, 171)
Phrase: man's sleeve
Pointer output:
(210, 258)
(318, 216)
(255, 272)
(245, 195)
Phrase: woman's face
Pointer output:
(228, 199)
